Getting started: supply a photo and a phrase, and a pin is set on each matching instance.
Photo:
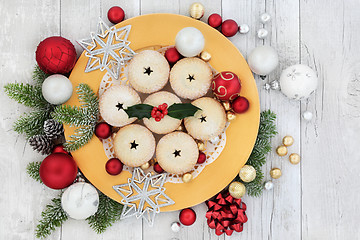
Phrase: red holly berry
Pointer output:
(157, 168)
(201, 158)
(240, 105)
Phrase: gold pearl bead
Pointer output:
(288, 140)
(237, 189)
(201, 145)
(197, 10)
(230, 115)
(205, 56)
(247, 173)
(275, 173)
(281, 150)
(226, 105)
(145, 166)
(180, 128)
(187, 177)
(294, 158)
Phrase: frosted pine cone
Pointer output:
(53, 129)
(41, 143)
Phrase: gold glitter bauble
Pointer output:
(294, 158)
(197, 10)
(230, 115)
(281, 150)
(205, 56)
(145, 166)
(247, 173)
(288, 140)
(187, 177)
(275, 173)
(201, 145)
(237, 189)
(226, 105)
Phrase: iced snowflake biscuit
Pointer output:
(113, 102)
(208, 122)
(134, 145)
(177, 152)
(167, 124)
(190, 78)
(148, 71)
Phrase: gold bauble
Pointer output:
(205, 56)
(281, 150)
(145, 166)
(197, 10)
(187, 177)
(201, 145)
(237, 189)
(230, 115)
(294, 158)
(275, 173)
(247, 173)
(288, 140)
(226, 105)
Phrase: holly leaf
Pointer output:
(182, 110)
(139, 111)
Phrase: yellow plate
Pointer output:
(161, 29)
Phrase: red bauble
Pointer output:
(215, 20)
(172, 55)
(58, 170)
(240, 105)
(116, 14)
(103, 130)
(226, 86)
(229, 28)
(158, 168)
(56, 55)
(201, 158)
(187, 216)
(59, 149)
(113, 166)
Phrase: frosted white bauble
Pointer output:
(307, 115)
(175, 226)
(263, 60)
(80, 200)
(189, 42)
(298, 81)
(57, 89)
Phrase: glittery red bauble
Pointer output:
(201, 158)
(157, 168)
(59, 149)
(240, 105)
(229, 28)
(226, 86)
(58, 170)
(116, 14)
(215, 20)
(102, 130)
(56, 55)
(113, 166)
(172, 55)
(187, 216)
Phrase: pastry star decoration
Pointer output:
(143, 195)
(107, 49)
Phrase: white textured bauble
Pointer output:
(268, 185)
(265, 18)
(189, 42)
(175, 227)
(262, 33)
(307, 115)
(80, 200)
(263, 60)
(244, 28)
(57, 89)
(298, 81)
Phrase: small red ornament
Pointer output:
(56, 55)
(215, 20)
(187, 216)
(58, 170)
(226, 86)
(172, 55)
(159, 112)
(116, 14)
(201, 158)
(240, 105)
(229, 28)
(113, 166)
(59, 149)
(103, 130)
(158, 168)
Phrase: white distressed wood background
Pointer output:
(317, 199)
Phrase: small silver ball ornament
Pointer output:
(268, 185)
(307, 115)
(275, 85)
(265, 18)
(262, 33)
(267, 86)
(244, 28)
(175, 227)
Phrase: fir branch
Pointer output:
(31, 123)
(33, 170)
(72, 115)
(53, 216)
(39, 76)
(82, 136)
(109, 212)
(88, 98)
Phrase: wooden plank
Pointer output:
(330, 141)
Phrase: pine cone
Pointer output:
(53, 129)
(41, 143)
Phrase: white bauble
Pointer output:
(263, 60)
(298, 81)
(189, 42)
(57, 89)
(80, 200)
(307, 115)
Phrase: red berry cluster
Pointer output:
(159, 112)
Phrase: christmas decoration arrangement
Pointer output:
(159, 114)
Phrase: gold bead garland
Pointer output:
(230, 116)
(294, 158)
(288, 141)
(275, 173)
(187, 177)
(205, 56)
(281, 150)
